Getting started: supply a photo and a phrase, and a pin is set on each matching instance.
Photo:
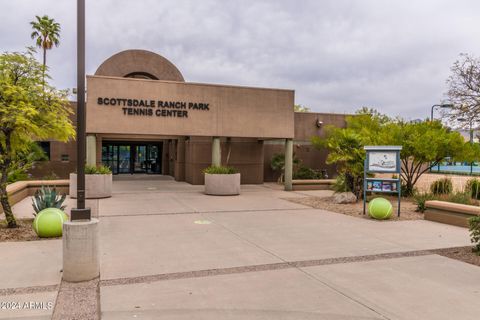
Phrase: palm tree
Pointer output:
(46, 33)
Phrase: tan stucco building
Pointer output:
(142, 117)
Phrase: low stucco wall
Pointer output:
(21, 189)
(450, 213)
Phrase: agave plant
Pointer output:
(47, 197)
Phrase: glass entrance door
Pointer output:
(110, 157)
(124, 159)
(153, 160)
(139, 159)
(132, 157)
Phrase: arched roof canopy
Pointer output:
(139, 64)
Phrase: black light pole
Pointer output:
(443, 105)
(80, 213)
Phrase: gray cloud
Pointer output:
(337, 55)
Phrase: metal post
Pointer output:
(80, 213)
(399, 183)
(431, 115)
(365, 186)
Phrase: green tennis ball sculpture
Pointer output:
(380, 208)
(49, 222)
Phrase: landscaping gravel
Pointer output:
(24, 232)
(407, 207)
(464, 254)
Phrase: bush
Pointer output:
(51, 176)
(17, 175)
(103, 170)
(420, 198)
(47, 197)
(474, 224)
(307, 173)
(97, 170)
(219, 170)
(441, 186)
(473, 188)
(277, 163)
(458, 197)
(341, 184)
(406, 192)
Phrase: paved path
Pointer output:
(170, 252)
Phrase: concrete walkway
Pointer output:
(170, 252)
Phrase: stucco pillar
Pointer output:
(81, 260)
(216, 152)
(288, 164)
(91, 150)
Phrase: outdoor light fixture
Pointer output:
(443, 105)
(319, 123)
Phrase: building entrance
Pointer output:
(132, 157)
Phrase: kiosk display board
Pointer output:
(382, 159)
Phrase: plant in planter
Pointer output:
(47, 197)
(49, 212)
(221, 181)
(98, 182)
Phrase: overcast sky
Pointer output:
(337, 55)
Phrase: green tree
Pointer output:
(30, 110)
(346, 151)
(301, 108)
(24, 160)
(424, 144)
(46, 33)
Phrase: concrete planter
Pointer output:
(222, 184)
(96, 186)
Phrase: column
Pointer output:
(288, 164)
(91, 150)
(216, 152)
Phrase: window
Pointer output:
(65, 158)
(45, 145)
(141, 75)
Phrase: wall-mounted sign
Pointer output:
(382, 161)
(149, 108)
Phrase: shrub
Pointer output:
(420, 198)
(461, 197)
(103, 170)
(47, 197)
(473, 188)
(405, 190)
(474, 224)
(341, 184)
(307, 173)
(277, 163)
(441, 186)
(17, 175)
(97, 170)
(219, 170)
(51, 176)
